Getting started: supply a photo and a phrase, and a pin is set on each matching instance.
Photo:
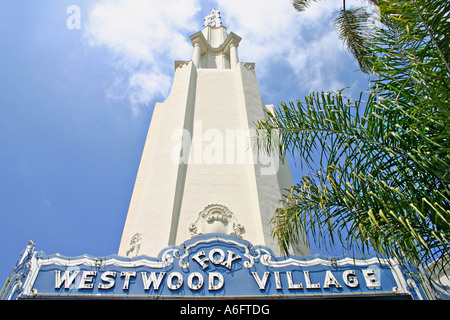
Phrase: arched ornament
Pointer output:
(216, 218)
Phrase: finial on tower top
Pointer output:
(213, 19)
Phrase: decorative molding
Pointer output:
(181, 63)
(212, 19)
(249, 65)
(216, 261)
(135, 245)
(216, 218)
(199, 39)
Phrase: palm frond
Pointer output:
(382, 179)
(353, 31)
(302, 5)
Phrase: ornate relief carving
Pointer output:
(135, 245)
(216, 218)
(213, 19)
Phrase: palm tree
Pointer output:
(384, 175)
(352, 27)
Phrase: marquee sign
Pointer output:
(213, 265)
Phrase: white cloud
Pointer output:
(143, 87)
(274, 32)
(266, 26)
(145, 36)
(318, 63)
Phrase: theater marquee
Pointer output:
(213, 265)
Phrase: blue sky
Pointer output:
(75, 104)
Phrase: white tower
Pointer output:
(198, 173)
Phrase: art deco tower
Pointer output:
(198, 173)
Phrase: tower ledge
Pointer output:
(214, 48)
